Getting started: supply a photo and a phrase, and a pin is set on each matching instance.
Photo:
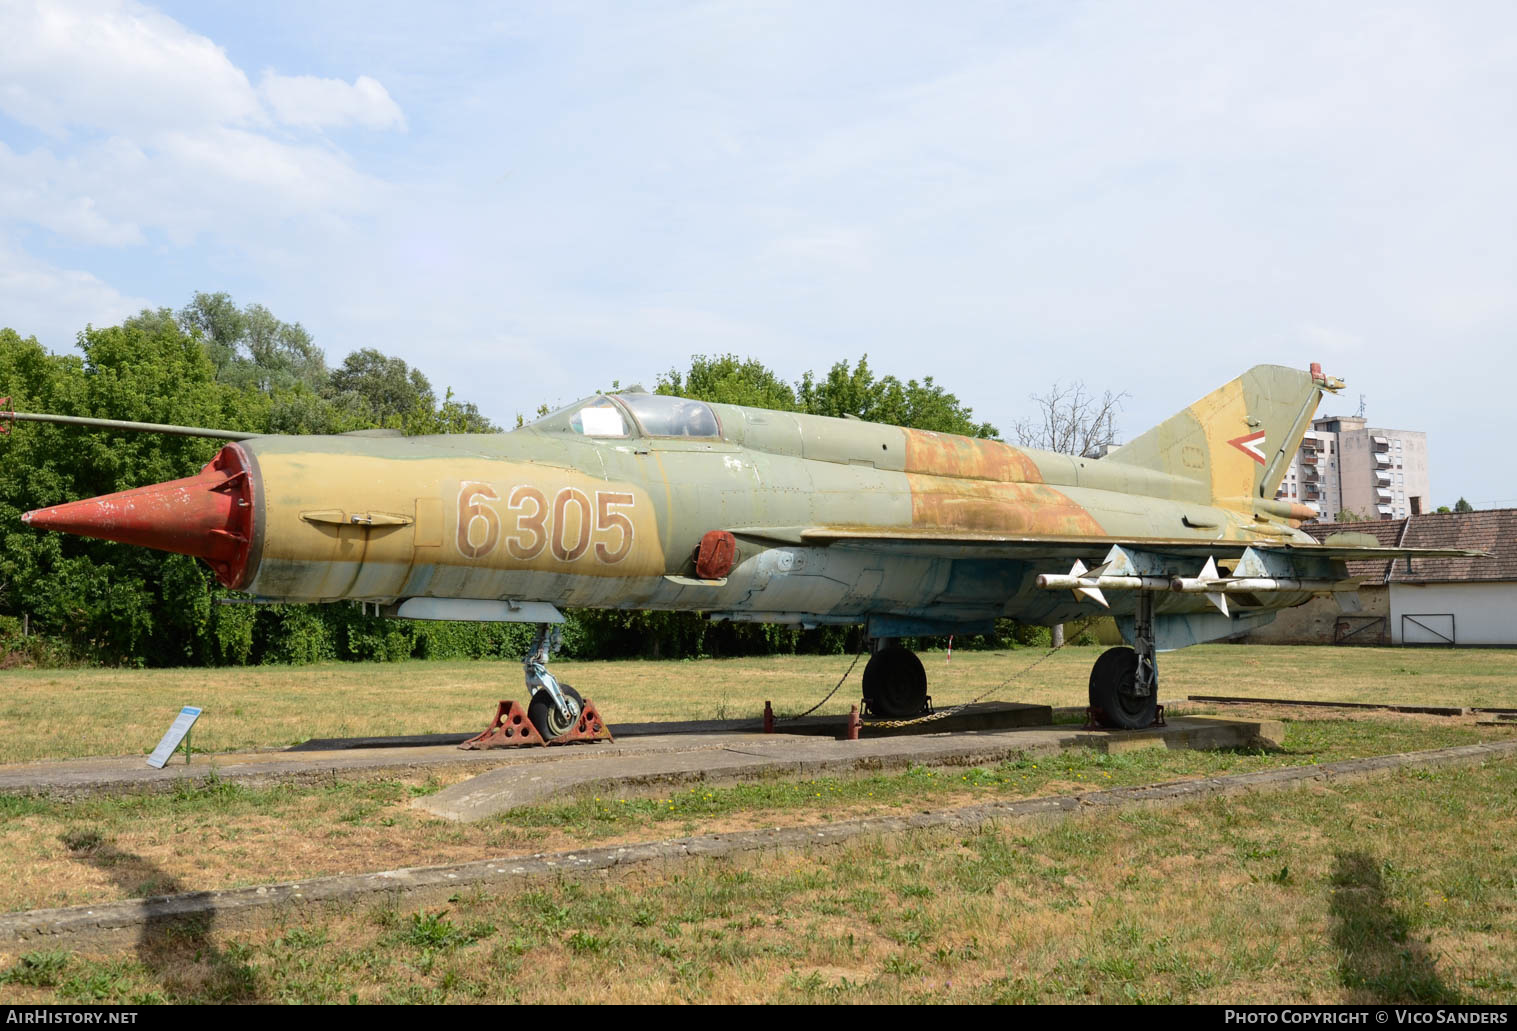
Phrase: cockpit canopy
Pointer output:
(628, 415)
(599, 417)
(662, 416)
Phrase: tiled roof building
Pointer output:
(1450, 601)
(1493, 531)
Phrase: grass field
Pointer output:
(1348, 893)
(50, 714)
(1397, 889)
(59, 853)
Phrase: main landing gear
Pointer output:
(556, 714)
(895, 684)
(1124, 683)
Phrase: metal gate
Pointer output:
(1368, 630)
(1427, 628)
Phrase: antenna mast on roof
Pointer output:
(1360, 413)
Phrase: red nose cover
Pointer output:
(208, 515)
(716, 555)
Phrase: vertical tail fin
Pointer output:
(1238, 440)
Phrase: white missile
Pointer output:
(1258, 584)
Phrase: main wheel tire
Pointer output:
(1112, 682)
(895, 684)
(545, 715)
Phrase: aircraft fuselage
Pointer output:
(546, 514)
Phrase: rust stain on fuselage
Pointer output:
(1014, 508)
(969, 484)
(944, 454)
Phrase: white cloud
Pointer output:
(1152, 197)
(154, 130)
(53, 304)
(215, 181)
(308, 102)
(114, 65)
(42, 189)
(236, 168)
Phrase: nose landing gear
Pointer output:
(554, 707)
(556, 714)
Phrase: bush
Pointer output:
(30, 650)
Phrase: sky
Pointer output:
(531, 201)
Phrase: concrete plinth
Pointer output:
(779, 756)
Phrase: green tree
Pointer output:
(847, 390)
(281, 355)
(857, 392)
(449, 417)
(220, 325)
(381, 386)
(384, 391)
(251, 347)
(109, 601)
(211, 364)
(726, 379)
(1463, 506)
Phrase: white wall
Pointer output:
(1483, 613)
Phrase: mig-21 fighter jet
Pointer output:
(643, 501)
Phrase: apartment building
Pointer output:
(1343, 464)
(1312, 477)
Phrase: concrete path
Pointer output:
(774, 756)
(328, 759)
(357, 759)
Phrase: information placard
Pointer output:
(182, 724)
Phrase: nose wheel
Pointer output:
(555, 714)
(553, 705)
(547, 718)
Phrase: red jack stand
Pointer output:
(854, 724)
(512, 729)
(589, 727)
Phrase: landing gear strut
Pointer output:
(555, 714)
(1124, 683)
(554, 707)
(895, 684)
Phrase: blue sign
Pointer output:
(182, 724)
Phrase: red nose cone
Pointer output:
(209, 516)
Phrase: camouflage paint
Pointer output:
(838, 520)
